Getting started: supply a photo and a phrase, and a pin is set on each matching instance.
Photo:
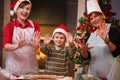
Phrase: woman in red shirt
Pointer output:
(21, 37)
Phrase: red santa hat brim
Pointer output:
(59, 30)
(62, 29)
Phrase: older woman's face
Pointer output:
(96, 19)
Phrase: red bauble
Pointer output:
(75, 69)
(85, 14)
(75, 57)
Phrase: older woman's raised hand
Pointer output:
(103, 31)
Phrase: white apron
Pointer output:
(22, 60)
(102, 62)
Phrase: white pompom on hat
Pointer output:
(62, 29)
(92, 5)
(15, 5)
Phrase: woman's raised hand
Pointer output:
(103, 31)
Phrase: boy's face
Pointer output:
(59, 39)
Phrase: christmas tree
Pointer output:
(83, 30)
(81, 35)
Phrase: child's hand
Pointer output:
(47, 39)
(70, 38)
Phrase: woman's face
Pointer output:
(23, 12)
(59, 39)
(96, 19)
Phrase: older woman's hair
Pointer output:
(95, 12)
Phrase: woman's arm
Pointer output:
(10, 47)
(114, 36)
(21, 42)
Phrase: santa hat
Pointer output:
(15, 5)
(92, 5)
(62, 29)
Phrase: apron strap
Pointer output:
(31, 22)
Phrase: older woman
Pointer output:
(103, 45)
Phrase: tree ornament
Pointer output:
(75, 69)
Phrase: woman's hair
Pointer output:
(23, 4)
(95, 12)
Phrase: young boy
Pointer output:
(58, 54)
